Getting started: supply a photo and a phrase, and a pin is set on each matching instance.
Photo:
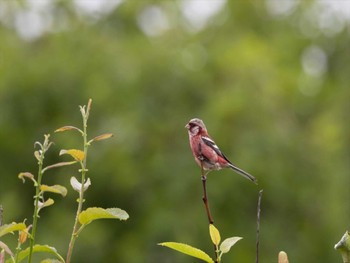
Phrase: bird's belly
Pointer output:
(211, 166)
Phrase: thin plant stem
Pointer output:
(81, 192)
(205, 199)
(207, 208)
(36, 206)
(18, 249)
(258, 226)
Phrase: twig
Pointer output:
(205, 199)
(258, 226)
(206, 202)
(85, 115)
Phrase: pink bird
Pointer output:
(206, 153)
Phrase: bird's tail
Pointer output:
(243, 173)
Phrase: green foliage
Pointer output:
(9, 228)
(220, 249)
(228, 243)
(87, 216)
(57, 189)
(40, 201)
(246, 73)
(78, 155)
(188, 250)
(94, 213)
(82, 217)
(37, 248)
(214, 235)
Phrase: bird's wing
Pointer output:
(209, 142)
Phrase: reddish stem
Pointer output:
(205, 199)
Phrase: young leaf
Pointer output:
(9, 228)
(88, 108)
(344, 246)
(214, 235)
(38, 144)
(77, 185)
(37, 155)
(57, 165)
(101, 137)
(228, 243)
(27, 175)
(57, 189)
(47, 203)
(93, 213)
(47, 142)
(38, 248)
(6, 248)
(188, 250)
(344, 242)
(68, 128)
(76, 154)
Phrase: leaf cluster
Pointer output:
(220, 248)
(83, 217)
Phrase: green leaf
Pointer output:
(228, 243)
(47, 203)
(214, 235)
(9, 228)
(188, 250)
(93, 213)
(38, 248)
(78, 155)
(57, 189)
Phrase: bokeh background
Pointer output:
(270, 79)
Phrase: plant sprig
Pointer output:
(39, 200)
(220, 248)
(83, 218)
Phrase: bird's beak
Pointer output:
(187, 126)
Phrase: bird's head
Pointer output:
(195, 126)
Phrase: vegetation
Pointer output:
(270, 81)
(82, 218)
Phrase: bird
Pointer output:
(206, 153)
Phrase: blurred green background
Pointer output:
(269, 78)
